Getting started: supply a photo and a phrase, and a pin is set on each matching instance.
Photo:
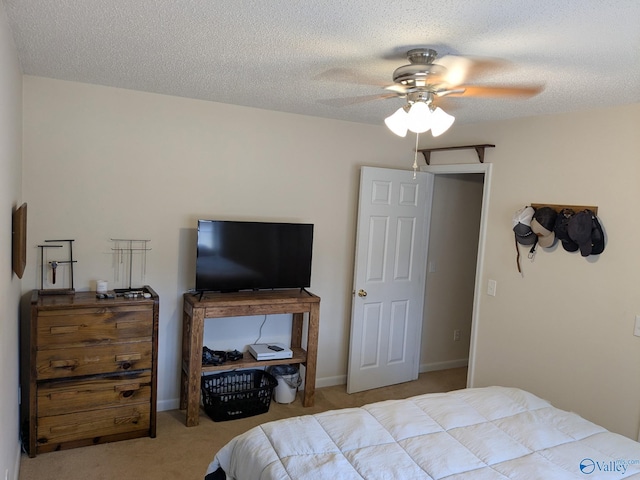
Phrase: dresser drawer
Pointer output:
(93, 424)
(78, 361)
(93, 326)
(58, 397)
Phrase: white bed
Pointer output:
(480, 433)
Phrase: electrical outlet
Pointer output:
(456, 335)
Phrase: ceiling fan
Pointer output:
(447, 76)
(427, 79)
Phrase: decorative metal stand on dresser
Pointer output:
(197, 308)
(89, 370)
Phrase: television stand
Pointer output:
(212, 305)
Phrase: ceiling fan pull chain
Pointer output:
(415, 158)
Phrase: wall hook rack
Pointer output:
(559, 208)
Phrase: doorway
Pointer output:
(365, 350)
(451, 268)
(479, 178)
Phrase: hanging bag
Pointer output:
(523, 234)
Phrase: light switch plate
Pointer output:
(636, 330)
(491, 288)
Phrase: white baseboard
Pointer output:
(432, 367)
(16, 467)
(174, 404)
(428, 367)
(331, 381)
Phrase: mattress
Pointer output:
(492, 433)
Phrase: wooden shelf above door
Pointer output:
(478, 148)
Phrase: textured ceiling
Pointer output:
(275, 54)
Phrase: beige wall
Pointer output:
(564, 330)
(102, 162)
(10, 198)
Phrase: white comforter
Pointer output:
(481, 434)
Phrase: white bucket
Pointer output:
(287, 388)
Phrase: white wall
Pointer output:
(103, 163)
(564, 330)
(10, 198)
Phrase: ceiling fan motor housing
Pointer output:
(422, 55)
(421, 68)
(417, 96)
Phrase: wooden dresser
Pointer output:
(88, 370)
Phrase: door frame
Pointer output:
(486, 169)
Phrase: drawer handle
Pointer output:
(128, 387)
(127, 324)
(64, 428)
(63, 363)
(62, 395)
(128, 419)
(125, 359)
(64, 329)
(128, 357)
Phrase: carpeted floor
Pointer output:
(179, 452)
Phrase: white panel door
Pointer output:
(389, 277)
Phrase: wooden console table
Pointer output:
(220, 305)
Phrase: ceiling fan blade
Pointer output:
(446, 104)
(345, 102)
(397, 88)
(494, 91)
(461, 69)
(348, 75)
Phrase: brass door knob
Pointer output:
(362, 293)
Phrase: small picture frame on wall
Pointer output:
(19, 240)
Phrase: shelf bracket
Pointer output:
(478, 148)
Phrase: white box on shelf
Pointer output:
(270, 351)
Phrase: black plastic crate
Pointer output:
(239, 394)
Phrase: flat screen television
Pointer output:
(237, 255)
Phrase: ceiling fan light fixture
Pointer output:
(419, 117)
(440, 121)
(398, 122)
